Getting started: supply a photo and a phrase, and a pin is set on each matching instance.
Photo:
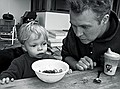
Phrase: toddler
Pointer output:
(34, 40)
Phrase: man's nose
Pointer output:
(79, 31)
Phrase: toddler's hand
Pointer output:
(6, 80)
(70, 71)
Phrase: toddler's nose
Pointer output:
(40, 48)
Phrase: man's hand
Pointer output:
(85, 63)
(6, 80)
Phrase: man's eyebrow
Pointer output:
(87, 25)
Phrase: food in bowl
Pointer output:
(50, 70)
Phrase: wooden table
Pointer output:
(70, 81)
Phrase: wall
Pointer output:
(15, 7)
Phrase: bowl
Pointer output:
(50, 70)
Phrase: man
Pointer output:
(94, 29)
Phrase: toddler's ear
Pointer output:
(23, 47)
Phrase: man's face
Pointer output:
(85, 26)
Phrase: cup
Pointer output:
(111, 60)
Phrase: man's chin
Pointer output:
(85, 41)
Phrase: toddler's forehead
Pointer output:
(35, 36)
(33, 39)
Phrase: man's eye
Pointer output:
(84, 27)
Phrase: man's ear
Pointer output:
(23, 47)
(105, 19)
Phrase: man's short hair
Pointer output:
(100, 7)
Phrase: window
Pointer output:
(49, 5)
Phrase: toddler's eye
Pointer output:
(44, 43)
(33, 45)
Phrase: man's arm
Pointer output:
(72, 62)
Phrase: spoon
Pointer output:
(98, 80)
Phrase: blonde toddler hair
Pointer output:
(27, 29)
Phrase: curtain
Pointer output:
(116, 7)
